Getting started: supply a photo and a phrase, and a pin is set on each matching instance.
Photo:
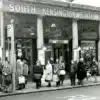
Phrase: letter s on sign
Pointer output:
(11, 7)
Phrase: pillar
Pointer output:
(99, 47)
(40, 40)
(2, 42)
(75, 40)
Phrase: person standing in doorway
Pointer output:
(56, 73)
(19, 73)
(37, 74)
(49, 73)
(62, 72)
(25, 71)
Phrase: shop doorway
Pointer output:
(60, 50)
(26, 48)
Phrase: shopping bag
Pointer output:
(62, 72)
(88, 73)
(21, 80)
(55, 78)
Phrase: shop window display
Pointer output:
(88, 50)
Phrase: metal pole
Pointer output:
(13, 56)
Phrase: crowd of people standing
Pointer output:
(54, 72)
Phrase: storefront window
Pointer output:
(25, 36)
(88, 50)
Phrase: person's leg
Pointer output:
(95, 77)
(36, 84)
(39, 83)
(49, 84)
(74, 81)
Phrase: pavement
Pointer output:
(30, 87)
(83, 93)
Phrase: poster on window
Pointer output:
(88, 49)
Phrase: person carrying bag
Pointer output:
(62, 72)
(37, 74)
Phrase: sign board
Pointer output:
(58, 41)
(29, 8)
(10, 30)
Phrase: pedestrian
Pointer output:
(37, 74)
(1, 67)
(49, 74)
(81, 72)
(25, 71)
(7, 73)
(73, 69)
(19, 74)
(52, 63)
(56, 73)
(94, 69)
(62, 72)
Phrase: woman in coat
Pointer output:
(62, 72)
(7, 73)
(25, 71)
(19, 73)
(48, 77)
(37, 74)
(56, 73)
(81, 71)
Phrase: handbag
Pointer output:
(62, 72)
(55, 78)
(21, 80)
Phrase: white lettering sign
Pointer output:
(10, 30)
(51, 11)
(22, 8)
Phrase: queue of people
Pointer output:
(54, 72)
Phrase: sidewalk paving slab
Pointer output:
(30, 88)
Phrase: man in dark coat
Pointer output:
(73, 69)
(81, 72)
(37, 74)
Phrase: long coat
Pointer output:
(37, 72)
(25, 69)
(19, 68)
(7, 71)
(49, 74)
(73, 70)
(81, 72)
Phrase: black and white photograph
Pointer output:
(49, 49)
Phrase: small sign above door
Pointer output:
(58, 41)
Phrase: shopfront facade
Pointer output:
(50, 29)
(58, 27)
